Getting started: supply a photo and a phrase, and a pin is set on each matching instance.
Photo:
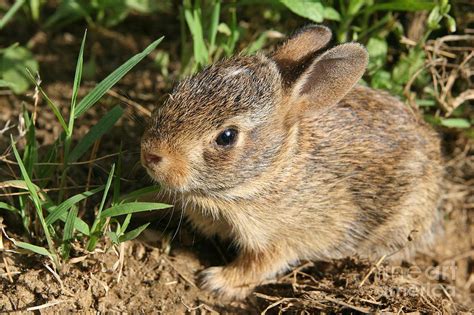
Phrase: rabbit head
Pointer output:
(226, 125)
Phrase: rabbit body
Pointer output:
(320, 168)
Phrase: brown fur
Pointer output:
(321, 169)
(294, 55)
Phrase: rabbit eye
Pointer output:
(227, 137)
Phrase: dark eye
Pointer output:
(227, 137)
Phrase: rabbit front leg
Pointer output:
(249, 269)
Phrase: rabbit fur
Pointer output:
(321, 168)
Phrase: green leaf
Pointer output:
(434, 18)
(125, 224)
(7, 84)
(33, 248)
(8, 207)
(331, 14)
(69, 231)
(403, 5)
(408, 65)
(69, 226)
(113, 237)
(193, 18)
(14, 62)
(355, 6)
(77, 84)
(455, 123)
(224, 29)
(36, 201)
(100, 89)
(79, 225)
(31, 187)
(96, 229)
(11, 12)
(97, 131)
(214, 23)
(425, 103)
(132, 207)
(377, 49)
(50, 103)
(310, 9)
(133, 233)
(257, 44)
(136, 194)
(451, 23)
(60, 211)
(147, 6)
(30, 155)
(35, 7)
(381, 80)
(67, 12)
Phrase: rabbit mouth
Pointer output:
(168, 181)
(187, 187)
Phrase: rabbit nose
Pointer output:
(151, 158)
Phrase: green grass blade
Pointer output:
(257, 44)
(199, 47)
(7, 84)
(29, 184)
(96, 229)
(97, 131)
(35, 7)
(55, 110)
(132, 207)
(11, 12)
(113, 237)
(216, 10)
(50, 103)
(403, 5)
(125, 224)
(33, 248)
(8, 207)
(69, 231)
(100, 89)
(61, 210)
(30, 154)
(136, 194)
(77, 83)
(133, 233)
(36, 202)
(69, 226)
(79, 225)
(455, 123)
(235, 33)
(106, 191)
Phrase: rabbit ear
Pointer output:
(294, 55)
(332, 75)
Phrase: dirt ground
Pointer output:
(156, 273)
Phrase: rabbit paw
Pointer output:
(226, 282)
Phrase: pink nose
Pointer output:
(151, 158)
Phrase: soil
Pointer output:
(157, 272)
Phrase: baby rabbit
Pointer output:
(287, 157)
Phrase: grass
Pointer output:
(50, 215)
(57, 214)
(209, 30)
